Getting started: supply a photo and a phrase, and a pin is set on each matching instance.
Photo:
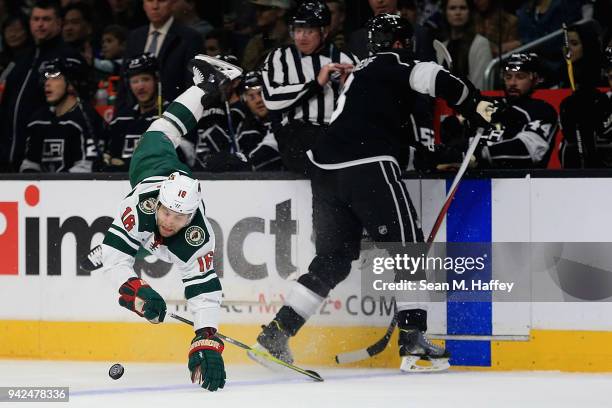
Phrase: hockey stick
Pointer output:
(567, 54)
(232, 131)
(442, 52)
(381, 344)
(312, 374)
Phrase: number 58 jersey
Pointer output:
(190, 250)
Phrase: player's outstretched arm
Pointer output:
(432, 79)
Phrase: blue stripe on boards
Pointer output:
(470, 312)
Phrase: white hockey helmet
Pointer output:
(180, 193)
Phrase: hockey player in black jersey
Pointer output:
(254, 136)
(64, 135)
(586, 121)
(356, 183)
(130, 122)
(525, 127)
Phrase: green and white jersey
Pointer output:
(191, 250)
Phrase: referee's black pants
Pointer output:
(347, 200)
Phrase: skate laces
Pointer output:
(430, 346)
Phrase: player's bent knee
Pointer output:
(326, 272)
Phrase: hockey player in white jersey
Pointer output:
(164, 213)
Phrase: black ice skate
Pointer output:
(212, 75)
(93, 259)
(274, 341)
(418, 354)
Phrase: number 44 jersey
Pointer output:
(524, 134)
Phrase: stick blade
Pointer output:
(442, 53)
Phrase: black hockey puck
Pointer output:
(116, 371)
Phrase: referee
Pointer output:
(302, 83)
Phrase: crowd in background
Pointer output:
(81, 79)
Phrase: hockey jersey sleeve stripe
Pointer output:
(179, 113)
(119, 244)
(423, 77)
(206, 287)
(175, 122)
(125, 235)
(209, 273)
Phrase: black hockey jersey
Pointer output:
(372, 118)
(256, 140)
(66, 143)
(124, 132)
(524, 137)
(587, 113)
(215, 131)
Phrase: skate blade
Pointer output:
(416, 364)
(229, 70)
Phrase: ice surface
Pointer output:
(168, 386)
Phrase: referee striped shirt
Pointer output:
(291, 91)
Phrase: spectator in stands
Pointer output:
(16, 39)
(77, 29)
(130, 122)
(124, 13)
(185, 12)
(113, 48)
(602, 13)
(536, 18)
(422, 41)
(302, 83)
(218, 42)
(22, 94)
(585, 114)
(525, 127)
(496, 25)
(64, 135)
(470, 51)
(585, 54)
(255, 138)
(408, 10)
(428, 13)
(273, 32)
(172, 43)
(336, 28)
